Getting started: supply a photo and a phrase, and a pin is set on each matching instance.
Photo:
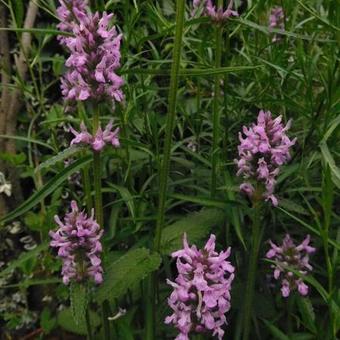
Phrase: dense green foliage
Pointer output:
(297, 77)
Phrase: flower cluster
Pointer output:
(263, 150)
(78, 240)
(94, 54)
(201, 295)
(99, 140)
(276, 20)
(290, 256)
(215, 13)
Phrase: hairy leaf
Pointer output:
(123, 273)
(197, 226)
(61, 156)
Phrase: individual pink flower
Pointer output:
(99, 140)
(78, 243)
(201, 292)
(263, 150)
(216, 13)
(287, 256)
(276, 20)
(94, 54)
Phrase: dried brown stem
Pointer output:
(21, 65)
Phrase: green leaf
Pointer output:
(336, 314)
(204, 201)
(331, 163)
(276, 333)
(66, 321)
(79, 301)
(35, 221)
(125, 272)
(72, 150)
(37, 30)
(18, 8)
(193, 71)
(52, 185)
(47, 321)
(265, 30)
(313, 12)
(307, 312)
(28, 140)
(197, 226)
(23, 258)
(127, 198)
(14, 159)
(309, 227)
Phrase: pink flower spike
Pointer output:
(94, 52)
(262, 151)
(289, 256)
(201, 291)
(78, 234)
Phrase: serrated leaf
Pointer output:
(79, 301)
(66, 321)
(293, 206)
(52, 185)
(307, 312)
(197, 226)
(61, 156)
(123, 273)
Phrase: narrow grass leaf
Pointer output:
(53, 184)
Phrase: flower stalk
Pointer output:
(174, 78)
(97, 180)
(216, 111)
(253, 259)
(165, 165)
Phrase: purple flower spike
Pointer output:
(290, 256)
(100, 139)
(201, 294)
(94, 54)
(276, 20)
(215, 13)
(263, 150)
(78, 240)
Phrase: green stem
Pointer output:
(164, 172)
(87, 188)
(165, 166)
(106, 323)
(97, 174)
(85, 174)
(216, 113)
(250, 288)
(289, 304)
(150, 308)
(88, 324)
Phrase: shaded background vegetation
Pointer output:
(297, 77)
